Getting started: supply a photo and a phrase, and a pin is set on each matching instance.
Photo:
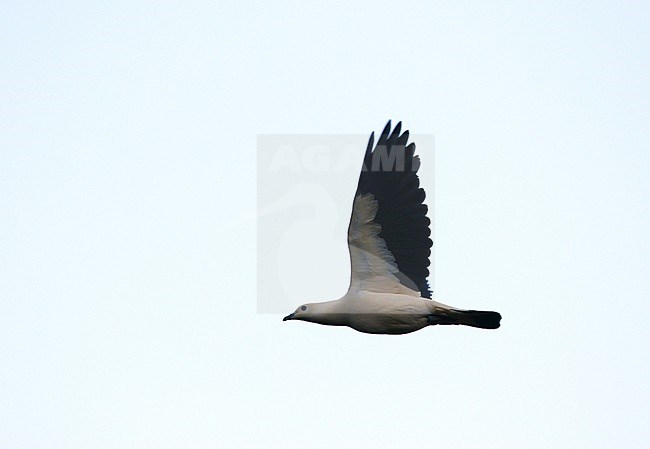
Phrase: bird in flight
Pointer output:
(388, 239)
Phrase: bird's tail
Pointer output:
(474, 318)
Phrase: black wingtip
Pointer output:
(384, 133)
(371, 142)
(404, 138)
(395, 134)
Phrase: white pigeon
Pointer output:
(389, 244)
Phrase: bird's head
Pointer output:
(302, 313)
(319, 312)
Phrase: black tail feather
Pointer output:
(474, 318)
(480, 319)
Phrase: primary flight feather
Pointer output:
(388, 239)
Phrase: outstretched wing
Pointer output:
(388, 235)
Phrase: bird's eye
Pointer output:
(303, 307)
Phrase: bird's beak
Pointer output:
(288, 317)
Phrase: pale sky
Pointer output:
(128, 245)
